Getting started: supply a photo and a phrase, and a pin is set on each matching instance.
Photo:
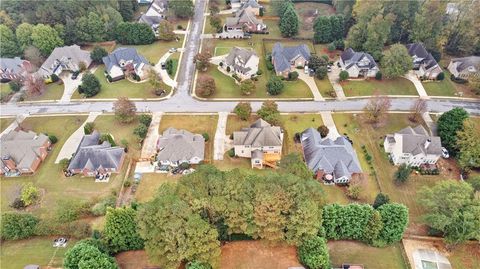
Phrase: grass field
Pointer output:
(440, 88)
(398, 86)
(195, 124)
(221, 51)
(174, 57)
(37, 250)
(4, 122)
(325, 87)
(351, 252)
(153, 52)
(4, 92)
(150, 183)
(297, 123)
(209, 29)
(54, 91)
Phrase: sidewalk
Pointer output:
(330, 123)
(74, 140)
(418, 84)
(219, 143)
(150, 143)
(311, 84)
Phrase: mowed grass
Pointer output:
(352, 252)
(153, 52)
(211, 30)
(54, 91)
(439, 88)
(195, 124)
(325, 87)
(37, 250)
(297, 123)
(150, 183)
(4, 92)
(5, 122)
(398, 86)
(222, 51)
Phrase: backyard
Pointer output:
(149, 184)
(398, 86)
(308, 12)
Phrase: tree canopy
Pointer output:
(396, 61)
(289, 21)
(449, 124)
(468, 145)
(120, 230)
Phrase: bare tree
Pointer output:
(125, 110)
(34, 85)
(202, 61)
(418, 108)
(377, 107)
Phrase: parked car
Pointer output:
(338, 64)
(329, 69)
(164, 66)
(445, 154)
(75, 75)
(172, 50)
(60, 242)
(306, 70)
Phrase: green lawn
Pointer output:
(4, 92)
(398, 86)
(120, 88)
(325, 87)
(150, 183)
(174, 57)
(209, 29)
(351, 252)
(54, 91)
(440, 88)
(37, 250)
(5, 122)
(153, 52)
(221, 51)
(297, 123)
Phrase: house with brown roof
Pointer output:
(22, 152)
(246, 21)
(261, 142)
(67, 58)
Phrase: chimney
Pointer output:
(427, 143)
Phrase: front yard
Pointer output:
(398, 86)
(5, 122)
(54, 91)
(447, 87)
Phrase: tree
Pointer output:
(448, 125)
(120, 232)
(8, 46)
(243, 110)
(402, 174)
(45, 38)
(452, 209)
(34, 85)
(474, 182)
(321, 72)
(15, 85)
(460, 37)
(216, 23)
(202, 60)
(154, 80)
(112, 19)
(133, 33)
(378, 31)
(86, 255)
(97, 54)
(468, 145)
(181, 8)
(90, 28)
(206, 85)
(323, 130)
(17, 225)
(395, 220)
(165, 31)
(275, 86)
(373, 228)
(269, 112)
(343, 75)
(125, 7)
(419, 107)
(323, 30)
(29, 194)
(198, 265)
(396, 61)
(125, 110)
(33, 55)
(293, 164)
(247, 86)
(293, 75)
(289, 22)
(145, 119)
(141, 131)
(89, 127)
(316, 62)
(313, 253)
(90, 85)
(377, 107)
(24, 35)
(380, 200)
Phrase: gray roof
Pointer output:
(62, 55)
(282, 56)
(158, 7)
(179, 145)
(350, 58)
(13, 65)
(150, 20)
(93, 156)
(418, 50)
(466, 62)
(260, 134)
(413, 141)
(337, 157)
(242, 17)
(22, 147)
(238, 57)
(125, 54)
(250, 3)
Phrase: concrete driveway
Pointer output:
(418, 84)
(311, 84)
(163, 72)
(219, 143)
(333, 76)
(150, 143)
(330, 123)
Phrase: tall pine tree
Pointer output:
(289, 22)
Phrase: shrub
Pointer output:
(331, 47)
(313, 253)
(321, 72)
(343, 75)
(184, 165)
(243, 110)
(353, 191)
(54, 78)
(109, 138)
(293, 75)
(85, 255)
(17, 203)
(206, 136)
(97, 54)
(141, 131)
(17, 225)
(88, 127)
(458, 80)
(198, 265)
(323, 130)
(100, 208)
(378, 75)
(228, 69)
(380, 200)
(64, 164)
(120, 230)
(70, 210)
(53, 139)
(15, 85)
(402, 174)
(275, 86)
(441, 76)
(145, 119)
(339, 44)
(259, 72)
(29, 194)
(231, 153)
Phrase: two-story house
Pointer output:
(287, 59)
(246, 21)
(124, 60)
(413, 146)
(423, 62)
(13, 68)
(154, 15)
(358, 64)
(262, 143)
(465, 67)
(68, 58)
(243, 62)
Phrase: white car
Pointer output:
(60, 242)
(445, 154)
(172, 50)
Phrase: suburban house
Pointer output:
(465, 67)
(423, 62)
(413, 146)
(252, 6)
(123, 59)
(175, 147)
(22, 152)
(334, 161)
(358, 64)
(286, 59)
(243, 62)
(154, 15)
(66, 58)
(262, 143)
(13, 68)
(245, 21)
(95, 159)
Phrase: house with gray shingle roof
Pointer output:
(122, 59)
(243, 62)
(286, 59)
(252, 6)
(66, 58)
(13, 68)
(330, 160)
(245, 20)
(358, 64)
(92, 158)
(261, 142)
(423, 62)
(22, 152)
(465, 67)
(180, 146)
(413, 146)
(154, 14)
